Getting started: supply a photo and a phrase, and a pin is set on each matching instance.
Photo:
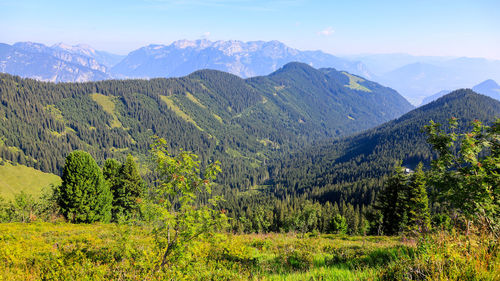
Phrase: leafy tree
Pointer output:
(180, 219)
(23, 206)
(307, 219)
(83, 196)
(339, 224)
(467, 171)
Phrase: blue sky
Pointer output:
(438, 27)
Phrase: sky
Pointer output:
(439, 28)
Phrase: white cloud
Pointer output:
(206, 34)
(327, 31)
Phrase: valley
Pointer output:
(250, 140)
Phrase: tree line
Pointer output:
(460, 189)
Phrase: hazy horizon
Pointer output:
(344, 55)
(418, 28)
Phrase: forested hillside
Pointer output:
(351, 169)
(242, 123)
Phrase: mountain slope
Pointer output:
(488, 88)
(17, 178)
(245, 59)
(435, 96)
(243, 123)
(44, 63)
(424, 76)
(352, 167)
(104, 58)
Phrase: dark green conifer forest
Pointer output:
(183, 161)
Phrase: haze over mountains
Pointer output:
(414, 77)
(488, 88)
(63, 63)
(245, 59)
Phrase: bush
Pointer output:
(444, 257)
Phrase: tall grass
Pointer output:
(44, 251)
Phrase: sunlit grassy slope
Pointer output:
(17, 178)
(108, 105)
(354, 83)
(61, 251)
(172, 106)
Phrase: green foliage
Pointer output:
(339, 224)
(63, 251)
(180, 219)
(403, 202)
(22, 207)
(126, 185)
(84, 197)
(353, 169)
(417, 202)
(391, 202)
(466, 173)
(446, 257)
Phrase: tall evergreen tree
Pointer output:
(128, 189)
(391, 202)
(417, 202)
(83, 196)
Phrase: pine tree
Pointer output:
(391, 202)
(83, 196)
(111, 172)
(417, 202)
(128, 190)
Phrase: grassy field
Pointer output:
(14, 179)
(62, 251)
(354, 83)
(172, 106)
(108, 105)
(36, 251)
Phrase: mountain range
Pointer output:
(299, 132)
(242, 122)
(415, 77)
(64, 63)
(488, 88)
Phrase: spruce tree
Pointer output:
(83, 196)
(128, 189)
(417, 202)
(391, 202)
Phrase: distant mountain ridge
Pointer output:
(80, 63)
(418, 77)
(33, 60)
(488, 88)
(245, 59)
